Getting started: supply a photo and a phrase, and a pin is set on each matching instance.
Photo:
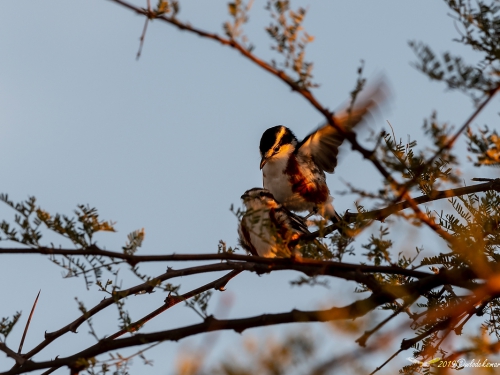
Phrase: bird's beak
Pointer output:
(245, 195)
(263, 162)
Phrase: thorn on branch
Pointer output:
(93, 248)
(408, 343)
(172, 300)
(28, 322)
(209, 320)
(221, 286)
(480, 309)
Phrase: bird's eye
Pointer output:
(276, 149)
(261, 194)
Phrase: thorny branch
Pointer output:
(358, 308)
(402, 190)
(436, 195)
(310, 267)
(12, 354)
(248, 263)
(170, 301)
(344, 270)
(144, 287)
(382, 214)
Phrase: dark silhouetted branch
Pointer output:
(170, 301)
(387, 294)
(20, 360)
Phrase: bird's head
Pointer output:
(258, 198)
(276, 142)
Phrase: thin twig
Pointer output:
(147, 286)
(446, 146)
(28, 323)
(143, 36)
(362, 340)
(171, 301)
(386, 362)
(490, 348)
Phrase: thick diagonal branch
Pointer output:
(346, 271)
(294, 86)
(171, 301)
(383, 213)
(144, 287)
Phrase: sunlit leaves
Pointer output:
(378, 247)
(223, 248)
(485, 144)
(290, 40)
(166, 7)
(234, 28)
(406, 160)
(134, 241)
(29, 217)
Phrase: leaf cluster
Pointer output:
(291, 40)
(485, 144)
(167, 7)
(234, 30)
(479, 23)
(7, 324)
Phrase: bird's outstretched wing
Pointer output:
(323, 144)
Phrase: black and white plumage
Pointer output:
(267, 229)
(294, 172)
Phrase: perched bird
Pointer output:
(267, 229)
(294, 172)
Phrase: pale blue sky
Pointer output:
(169, 142)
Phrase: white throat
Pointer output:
(273, 177)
